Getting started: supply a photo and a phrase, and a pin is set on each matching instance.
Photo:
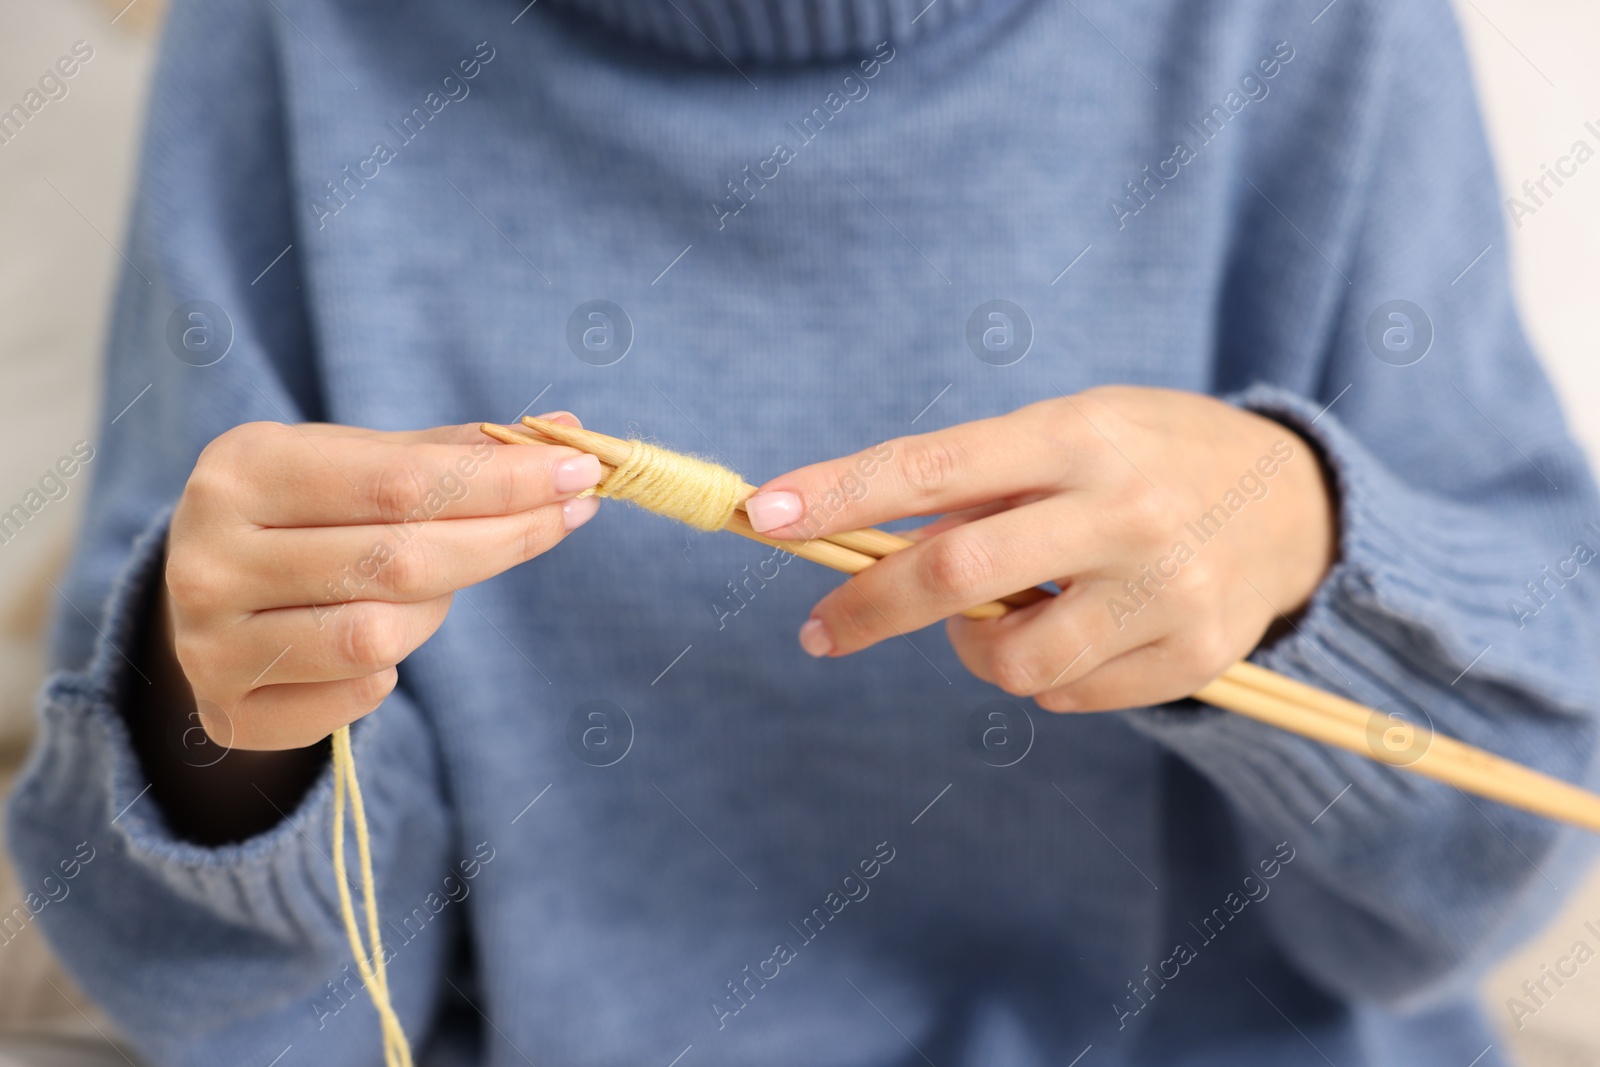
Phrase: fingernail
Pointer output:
(769, 511)
(577, 474)
(557, 416)
(574, 513)
(814, 638)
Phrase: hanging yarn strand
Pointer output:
(396, 1050)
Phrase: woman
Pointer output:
(1200, 311)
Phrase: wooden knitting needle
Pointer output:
(1243, 688)
(850, 552)
(612, 452)
(1277, 700)
(1359, 729)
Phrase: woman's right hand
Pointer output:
(305, 562)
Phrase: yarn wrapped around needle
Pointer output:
(691, 490)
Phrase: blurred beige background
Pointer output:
(64, 184)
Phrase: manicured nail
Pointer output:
(577, 474)
(814, 638)
(768, 511)
(574, 513)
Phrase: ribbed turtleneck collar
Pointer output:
(771, 31)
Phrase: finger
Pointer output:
(466, 433)
(305, 644)
(1046, 645)
(964, 466)
(455, 434)
(296, 714)
(972, 564)
(1152, 674)
(956, 518)
(274, 475)
(408, 563)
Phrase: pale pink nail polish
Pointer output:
(814, 638)
(574, 513)
(577, 474)
(769, 511)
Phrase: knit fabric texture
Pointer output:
(617, 816)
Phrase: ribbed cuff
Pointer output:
(230, 943)
(85, 781)
(1402, 611)
(1404, 553)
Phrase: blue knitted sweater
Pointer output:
(619, 817)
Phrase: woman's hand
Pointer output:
(1177, 526)
(305, 562)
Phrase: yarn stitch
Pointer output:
(693, 491)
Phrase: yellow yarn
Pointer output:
(691, 490)
(396, 1051)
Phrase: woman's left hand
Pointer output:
(1178, 528)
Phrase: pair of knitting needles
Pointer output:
(1244, 688)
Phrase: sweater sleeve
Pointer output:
(1466, 596)
(208, 955)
